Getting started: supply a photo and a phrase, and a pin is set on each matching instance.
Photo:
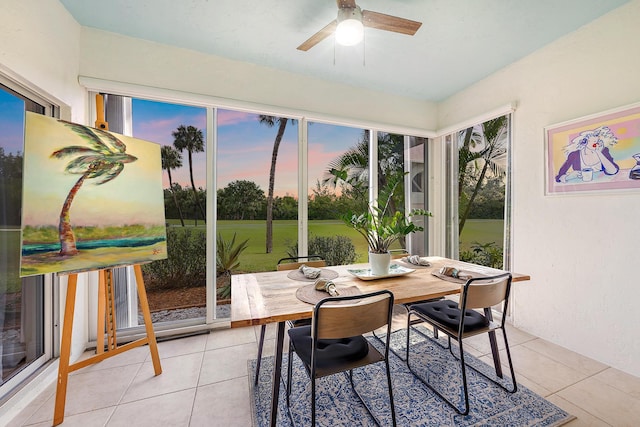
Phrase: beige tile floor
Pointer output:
(204, 383)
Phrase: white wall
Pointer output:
(40, 49)
(581, 251)
(124, 59)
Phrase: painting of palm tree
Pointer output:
(103, 161)
(69, 225)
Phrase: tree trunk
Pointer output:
(195, 192)
(65, 232)
(272, 178)
(175, 199)
(476, 190)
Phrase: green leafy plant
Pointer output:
(488, 254)
(185, 265)
(379, 225)
(335, 250)
(227, 260)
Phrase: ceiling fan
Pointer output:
(350, 21)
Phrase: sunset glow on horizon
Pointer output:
(245, 146)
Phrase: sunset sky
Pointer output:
(244, 145)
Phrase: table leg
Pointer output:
(277, 374)
(494, 345)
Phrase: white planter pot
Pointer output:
(379, 263)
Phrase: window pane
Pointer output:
(338, 178)
(482, 166)
(257, 158)
(21, 300)
(416, 157)
(176, 287)
(391, 171)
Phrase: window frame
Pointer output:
(212, 104)
(449, 145)
(51, 293)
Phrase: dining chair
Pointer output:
(288, 263)
(334, 342)
(447, 316)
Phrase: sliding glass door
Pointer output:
(24, 328)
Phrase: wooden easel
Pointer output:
(105, 304)
(106, 312)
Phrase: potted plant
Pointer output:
(381, 227)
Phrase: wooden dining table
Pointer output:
(270, 297)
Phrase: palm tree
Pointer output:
(190, 138)
(484, 145)
(105, 159)
(352, 167)
(270, 121)
(172, 159)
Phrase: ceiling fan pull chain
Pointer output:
(334, 51)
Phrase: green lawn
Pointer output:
(482, 231)
(285, 234)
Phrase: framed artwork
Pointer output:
(595, 153)
(91, 199)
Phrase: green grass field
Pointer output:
(482, 231)
(285, 234)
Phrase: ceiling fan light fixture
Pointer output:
(350, 30)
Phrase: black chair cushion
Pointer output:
(446, 312)
(329, 352)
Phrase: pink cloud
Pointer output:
(160, 131)
(229, 117)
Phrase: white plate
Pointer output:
(394, 270)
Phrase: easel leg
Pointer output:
(102, 303)
(144, 305)
(65, 350)
(112, 341)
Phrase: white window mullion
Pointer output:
(373, 166)
(303, 181)
(211, 211)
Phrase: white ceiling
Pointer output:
(460, 41)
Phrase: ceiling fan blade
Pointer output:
(319, 36)
(344, 4)
(396, 24)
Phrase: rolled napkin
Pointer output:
(454, 272)
(310, 272)
(326, 285)
(417, 260)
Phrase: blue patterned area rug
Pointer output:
(337, 404)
